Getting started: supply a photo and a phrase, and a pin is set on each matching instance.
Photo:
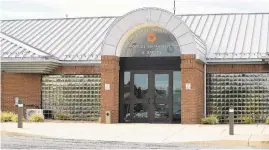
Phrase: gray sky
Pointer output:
(21, 9)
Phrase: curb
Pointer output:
(8, 133)
(263, 144)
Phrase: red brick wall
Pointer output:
(28, 86)
(233, 68)
(24, 86)
(78, 70)
(192, 101)
(110, 98)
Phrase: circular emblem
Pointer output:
(170, 49)
(151, 37)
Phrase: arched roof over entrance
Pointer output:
(124, 26)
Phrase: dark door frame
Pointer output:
(152, 65)
(151, 100)
(168, 101)
(134, 100)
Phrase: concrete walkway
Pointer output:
(245, 135)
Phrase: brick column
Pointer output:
(192, 100)
(110, 98)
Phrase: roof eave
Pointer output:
(81, 63)
(40, 65)
(29, 66)
(237, 61)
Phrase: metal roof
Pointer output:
(65, 39)
(232, 36)
(11, 48)
(227, 36)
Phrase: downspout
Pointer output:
(205, 89)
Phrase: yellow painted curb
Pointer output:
(7, 133)
(223, 143)
(263, 144)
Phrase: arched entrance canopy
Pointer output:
(125, 26)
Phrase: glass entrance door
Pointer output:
(150, 96)
(162, 97)
(140, 96)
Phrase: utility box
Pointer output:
(108, 117)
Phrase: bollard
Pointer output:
(20, 113)
(108, 117)
(231, 120)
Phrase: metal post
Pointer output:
(20, 113)
(205, 90)
(174, 6)
(231, 120)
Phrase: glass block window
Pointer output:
(71, 97)
(247, 92)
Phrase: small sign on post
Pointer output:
(231, 120)
(16, 101)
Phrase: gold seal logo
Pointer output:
(152, 37)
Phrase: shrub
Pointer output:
(14, 118)
(247, 119)
(61, 116)
(36, 118)
(6, 116)
(267, 120)
(211, 119)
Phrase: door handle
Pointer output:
(148, 100)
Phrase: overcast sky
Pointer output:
(21, 9)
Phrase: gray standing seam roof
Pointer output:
(10, 49)
(232, 36)
(65, 39)
(227, 36)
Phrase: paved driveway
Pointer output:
(21, 142)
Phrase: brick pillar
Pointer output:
(110, 98)
(192, 100)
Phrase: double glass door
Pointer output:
(150, 99)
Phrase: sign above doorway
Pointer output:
(151, 42)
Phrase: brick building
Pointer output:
(148, 66)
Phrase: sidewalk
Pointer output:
(245, 135)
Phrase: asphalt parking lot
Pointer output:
(34, 142)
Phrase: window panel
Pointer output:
(248, 92)
(74, 97)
